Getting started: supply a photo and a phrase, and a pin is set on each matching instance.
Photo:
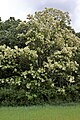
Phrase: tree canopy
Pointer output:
(40, 60)
(8, 32)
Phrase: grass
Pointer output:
(40, 113)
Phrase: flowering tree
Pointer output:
(47, 66)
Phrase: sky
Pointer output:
(21, 8)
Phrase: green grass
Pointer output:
(40, 113)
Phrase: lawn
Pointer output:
(40, 113)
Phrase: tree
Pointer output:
(78, 34)
(45, 66)
(49, 33)
(8, 32)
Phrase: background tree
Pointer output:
(78, 34)
(8, 32)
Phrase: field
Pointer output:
(41, 113)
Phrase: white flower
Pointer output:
(52, 85)
(71, 80)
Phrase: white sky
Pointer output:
(20, 8)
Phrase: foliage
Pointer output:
(8, 32)
(46, 68)
(78, 34)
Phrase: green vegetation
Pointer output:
(39, 60)
(8, 32)
(40, 113)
